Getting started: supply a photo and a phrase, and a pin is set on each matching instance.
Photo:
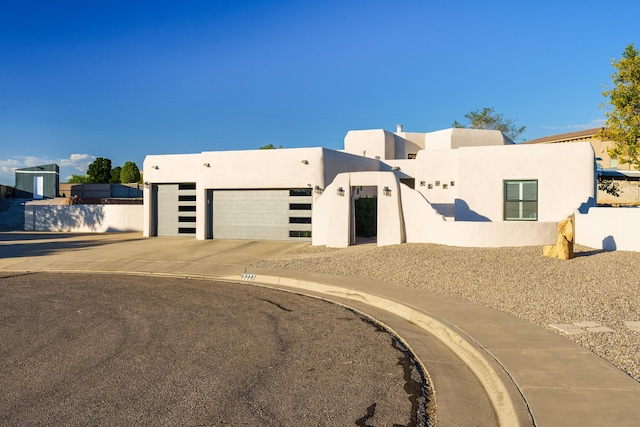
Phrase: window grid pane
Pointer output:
(521, 200)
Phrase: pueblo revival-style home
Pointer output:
(462, 187)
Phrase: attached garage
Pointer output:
(264, 214)
(176, 209)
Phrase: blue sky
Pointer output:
(80, 80)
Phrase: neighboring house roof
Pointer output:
(620, 174)
(566, 137)
(50, 168)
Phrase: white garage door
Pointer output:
(176, 204)
(262, 214)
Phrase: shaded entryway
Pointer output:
(334, 211)
(365, 212)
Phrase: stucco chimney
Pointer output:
(398, 128)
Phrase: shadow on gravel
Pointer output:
(588, 253)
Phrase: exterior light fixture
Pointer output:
(317, 190)
(155, 167)
(206, 165)
(305, 162)
(386, 191)
(340, 191)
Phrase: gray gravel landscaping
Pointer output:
(595, 286)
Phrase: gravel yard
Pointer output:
(595, 286)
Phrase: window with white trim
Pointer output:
(521, 200)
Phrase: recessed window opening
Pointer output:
(300, 206)
(187, 186)
(299, 220)
(295, 192)
(187, 198)
(304, 234)
(521, 200)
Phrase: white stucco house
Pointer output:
(461, 187)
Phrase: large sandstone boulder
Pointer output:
(563, 248)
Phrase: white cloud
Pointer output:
(79, 162)
(7, 166)
(596, 123)
(75, 164)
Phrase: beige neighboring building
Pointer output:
(625, 175)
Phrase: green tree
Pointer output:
(115, 175)
(487, 118)
(78, 179)
(129, 173)
(99, 171)
(623, 120)
(268, 147)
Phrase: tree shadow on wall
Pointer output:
(81, 218)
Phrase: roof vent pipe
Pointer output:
(398, 128)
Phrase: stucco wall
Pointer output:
(405, 147)
(249, 169)
(165, 168)
(438, 166)
(370, 143)
(415, 138)
(332, 214)
(278, 168)
(83, 218)
(609, 229)
(424, 225)
(406, 216)
(565, 174)
(336, 162)
(459, 137)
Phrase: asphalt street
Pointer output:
(93, 349)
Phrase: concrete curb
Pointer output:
(474, 359)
